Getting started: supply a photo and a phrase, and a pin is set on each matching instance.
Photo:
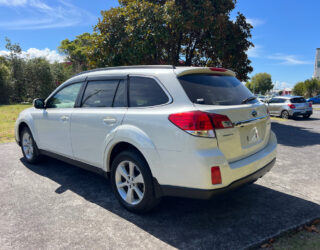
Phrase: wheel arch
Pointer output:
(120, 147)
(131, 137)
(21, 126)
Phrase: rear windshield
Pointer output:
(215, 90)
(298, 100)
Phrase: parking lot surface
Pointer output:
(57, 206)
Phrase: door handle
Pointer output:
(64, 118)
(109, 120)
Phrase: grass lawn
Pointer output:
(8, 116)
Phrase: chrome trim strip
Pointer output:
(250, 121)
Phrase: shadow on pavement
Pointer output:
(232, 221)
(295, 136)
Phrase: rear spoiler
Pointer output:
(181, 71)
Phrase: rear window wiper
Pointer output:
(251, 98)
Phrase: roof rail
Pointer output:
(129, 67)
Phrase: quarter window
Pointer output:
(99, 93)
(65, 98)
(144, 92)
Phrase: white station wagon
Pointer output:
(154, 130)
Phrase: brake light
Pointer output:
(291, 106)
(200, 123)
(218, 69)
(215, 176)
(220, 121)
(310, 104)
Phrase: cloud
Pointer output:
(255, 51)
(39, 14)
(13, 2)
(284, 59)
(255, 21)
(288, 59)
(50, 55)
(282, 85)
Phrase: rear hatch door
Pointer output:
(300, 103)
(225, 95)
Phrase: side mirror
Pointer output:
(38, 103)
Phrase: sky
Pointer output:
(285, 34)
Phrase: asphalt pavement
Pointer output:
(57, 206)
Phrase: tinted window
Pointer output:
(65, 98)
(278, 100)
(120, 97)
(99, 93)
(298, 100)
(145, 91)
(215, 90)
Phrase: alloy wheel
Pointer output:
(129, 182)
(27, 145)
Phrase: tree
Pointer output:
(299, 89)
(308, 88)
(38, 79)
(77, 51)
(61, 72)
(312, 87)
(260, 83)
(16, 80)
(4, 81)
(188, 32)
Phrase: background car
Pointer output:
(289, 106)
(261, 98)
(314, 100)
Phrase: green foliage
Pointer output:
(61, 72)
(22, 80)
(308, 88)
(16, 81)
(299, 89)
(260, 83)
(4, 81)
(77, 50)
(38, 79)
(200, 33)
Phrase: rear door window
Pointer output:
(145, 92)
(215, 90)
(99, 93)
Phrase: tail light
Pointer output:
(310, 104)
(200, 123)
(291, 106)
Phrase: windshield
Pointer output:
(215, 90)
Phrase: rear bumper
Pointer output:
(300, 112)
(166, 190)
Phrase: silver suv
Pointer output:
(289, 106)
(154, 130)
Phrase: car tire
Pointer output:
(29, 147)
(132, 182)
(285, 114)
(306, 116)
